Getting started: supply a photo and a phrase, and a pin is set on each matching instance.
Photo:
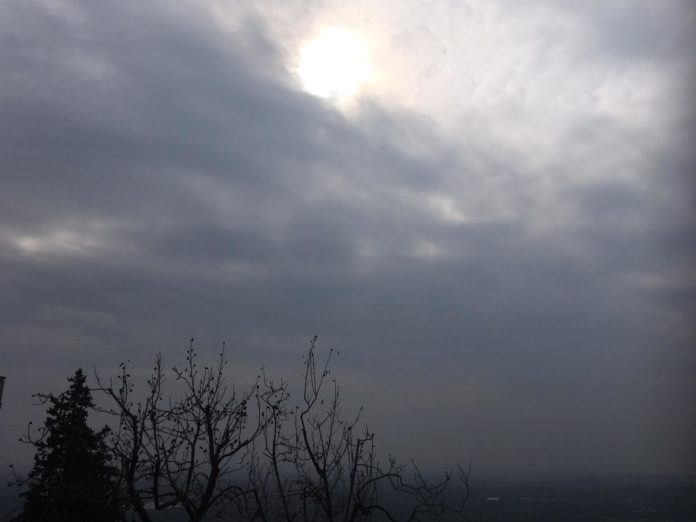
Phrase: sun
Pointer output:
(334, 64)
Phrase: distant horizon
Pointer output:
(508, 498)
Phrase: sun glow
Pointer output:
(334, 64)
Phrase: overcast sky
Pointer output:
(486, 206)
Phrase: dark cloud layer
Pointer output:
(161, 180)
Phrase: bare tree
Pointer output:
(313, 464)
(186, 451)
(254, 456)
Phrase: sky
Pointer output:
(486, 206)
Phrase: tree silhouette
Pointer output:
(185, 449)
(251, 454)
(314, 463)
(72, 478)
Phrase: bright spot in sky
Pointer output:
(334, 64)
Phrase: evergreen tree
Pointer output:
(72, 479)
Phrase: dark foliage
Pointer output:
(208, 449)
(72, 479)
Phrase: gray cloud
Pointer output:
(162, 180)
